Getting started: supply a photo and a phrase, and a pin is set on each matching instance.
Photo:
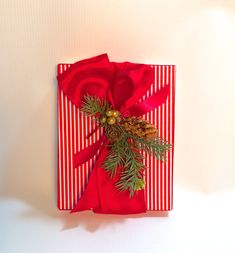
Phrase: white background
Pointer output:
(199, 37)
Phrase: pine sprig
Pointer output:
(93, 106)
(115, 157)
(156, 147)
(122, 153)
(127, 153)
(133, 168)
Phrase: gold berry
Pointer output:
(109, 113)
(103, 119)
(111, 120)
(115, 114)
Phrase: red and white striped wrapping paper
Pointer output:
(73, 127)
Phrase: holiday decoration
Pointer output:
(127, 137)
(116, 136)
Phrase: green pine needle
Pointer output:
(157, 147)
(133, 168)
(93, 105)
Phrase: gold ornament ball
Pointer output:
(109, 113)
(115, 114)
(111, 120)
(103, 119)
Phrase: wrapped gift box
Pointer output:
(73, 127)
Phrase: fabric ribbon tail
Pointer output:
(102, 196)
(90, 199)
(87, 153)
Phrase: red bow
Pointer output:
(122, 85)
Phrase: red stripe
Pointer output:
(157, 163)
(147, 163)
(153, 168)
(61, 143)
(69, 153)
(59, 158)
(66, 149)
(81, 147)
(62, 154)
(73, 151)
(77, 148)
(63, 150)
(89, 143)
(76, 171)
(79, 169)
(173, 127)
(149, 167)
(168, 138)
(87, 163)
(161, 135)
(153, 161)
(165, 175)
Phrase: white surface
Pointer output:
(199, 37)
(199, 223)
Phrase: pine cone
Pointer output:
(113, 133)
(139, 127)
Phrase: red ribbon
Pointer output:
(122, 85)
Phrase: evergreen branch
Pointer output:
(94, 105)
(115, 157)
(133, 167)
(122, 153)
(157, 147)
(126, 153)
